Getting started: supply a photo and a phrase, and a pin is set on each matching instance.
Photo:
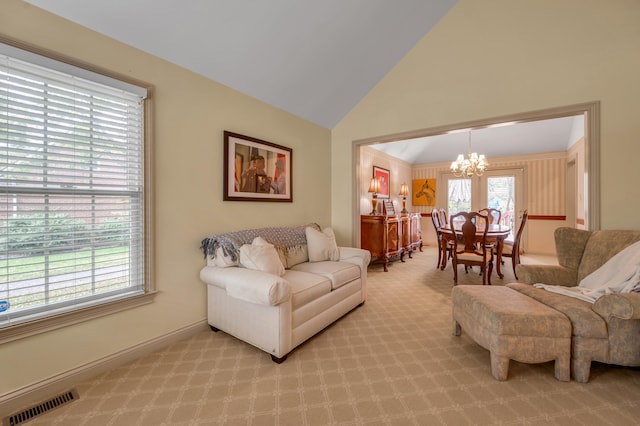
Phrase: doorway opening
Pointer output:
(590, 160)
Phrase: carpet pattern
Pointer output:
(394, 361)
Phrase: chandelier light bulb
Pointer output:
(474, 164)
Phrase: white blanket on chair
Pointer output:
(620, 274)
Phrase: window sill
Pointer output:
(32, 328)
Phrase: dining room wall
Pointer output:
(544, 187)
(399, 173)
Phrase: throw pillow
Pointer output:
(261, 256)
(322, 245)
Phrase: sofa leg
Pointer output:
(214, 329)
(562, 368)
(499, 367)
(279, 360)
(581, 370)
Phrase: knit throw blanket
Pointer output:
(620, 274)
(283, 238)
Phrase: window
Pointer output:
(500, 188)
(459, 195)
(72, 200)
(501, 195)
(504, 187)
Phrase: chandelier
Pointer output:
(473, 164)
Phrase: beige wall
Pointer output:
(498, 57)
(191, 113)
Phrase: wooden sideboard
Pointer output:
(415, 226)
(390, 236)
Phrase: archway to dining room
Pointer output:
(584, 211)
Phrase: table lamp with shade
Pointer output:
(404, 192)
(374, 187)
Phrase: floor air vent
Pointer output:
(40, 409)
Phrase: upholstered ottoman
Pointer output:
(512, 326)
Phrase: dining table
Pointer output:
(496, 234)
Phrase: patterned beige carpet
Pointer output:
(393, 361)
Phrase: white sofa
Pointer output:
(278, 304)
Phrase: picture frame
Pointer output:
(389, 209)
(424, 192)
(256, 170)
(383, 175)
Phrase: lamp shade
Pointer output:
(404, 190)
(374, 185)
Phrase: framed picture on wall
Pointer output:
(424, 192)
(256, 170)
(383, 176)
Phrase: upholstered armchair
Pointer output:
(605, 331)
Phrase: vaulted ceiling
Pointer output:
(313, 58)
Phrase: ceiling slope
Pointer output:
(314, 59)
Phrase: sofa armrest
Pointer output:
(620, 305)
(351, 252)
(547, 274)
(248, 284)
(357, 256)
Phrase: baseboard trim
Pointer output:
(28, 395)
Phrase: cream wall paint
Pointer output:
(499, 57)
(191, 113)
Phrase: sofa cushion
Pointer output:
(339, 273)
(306, 287)
(291, 256)
(584, 321)
(261, 256)
(322, 245)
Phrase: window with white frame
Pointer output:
(72, 188)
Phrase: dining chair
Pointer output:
(442, 213)
(494, 214)
(511, 248)
(473, 249)
(445, 247)
(435, 218)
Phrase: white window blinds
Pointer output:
(72, 187)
